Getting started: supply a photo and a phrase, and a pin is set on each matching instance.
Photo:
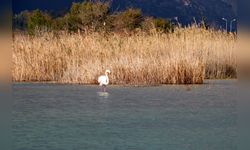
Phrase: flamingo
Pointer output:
(104, 80)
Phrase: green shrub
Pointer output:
(148, 24)
(163, 25)
(93, 16)
(59, 24)
(20, 21)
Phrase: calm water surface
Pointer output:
(76, 117)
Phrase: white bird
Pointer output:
(104, 80)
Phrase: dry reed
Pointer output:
(187, 56)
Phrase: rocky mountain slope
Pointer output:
(186, 10)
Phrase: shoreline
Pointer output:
(206, 82)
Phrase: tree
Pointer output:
(128, 20)
(39, 21)
(87, 14)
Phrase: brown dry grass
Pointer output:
(187, 56)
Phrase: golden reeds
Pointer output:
(187, 56)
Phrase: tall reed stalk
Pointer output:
(186, 56)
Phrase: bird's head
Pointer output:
(107, 71)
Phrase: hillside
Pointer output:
(185, 10)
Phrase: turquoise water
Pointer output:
(76, 117)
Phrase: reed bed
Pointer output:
(186, 56)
